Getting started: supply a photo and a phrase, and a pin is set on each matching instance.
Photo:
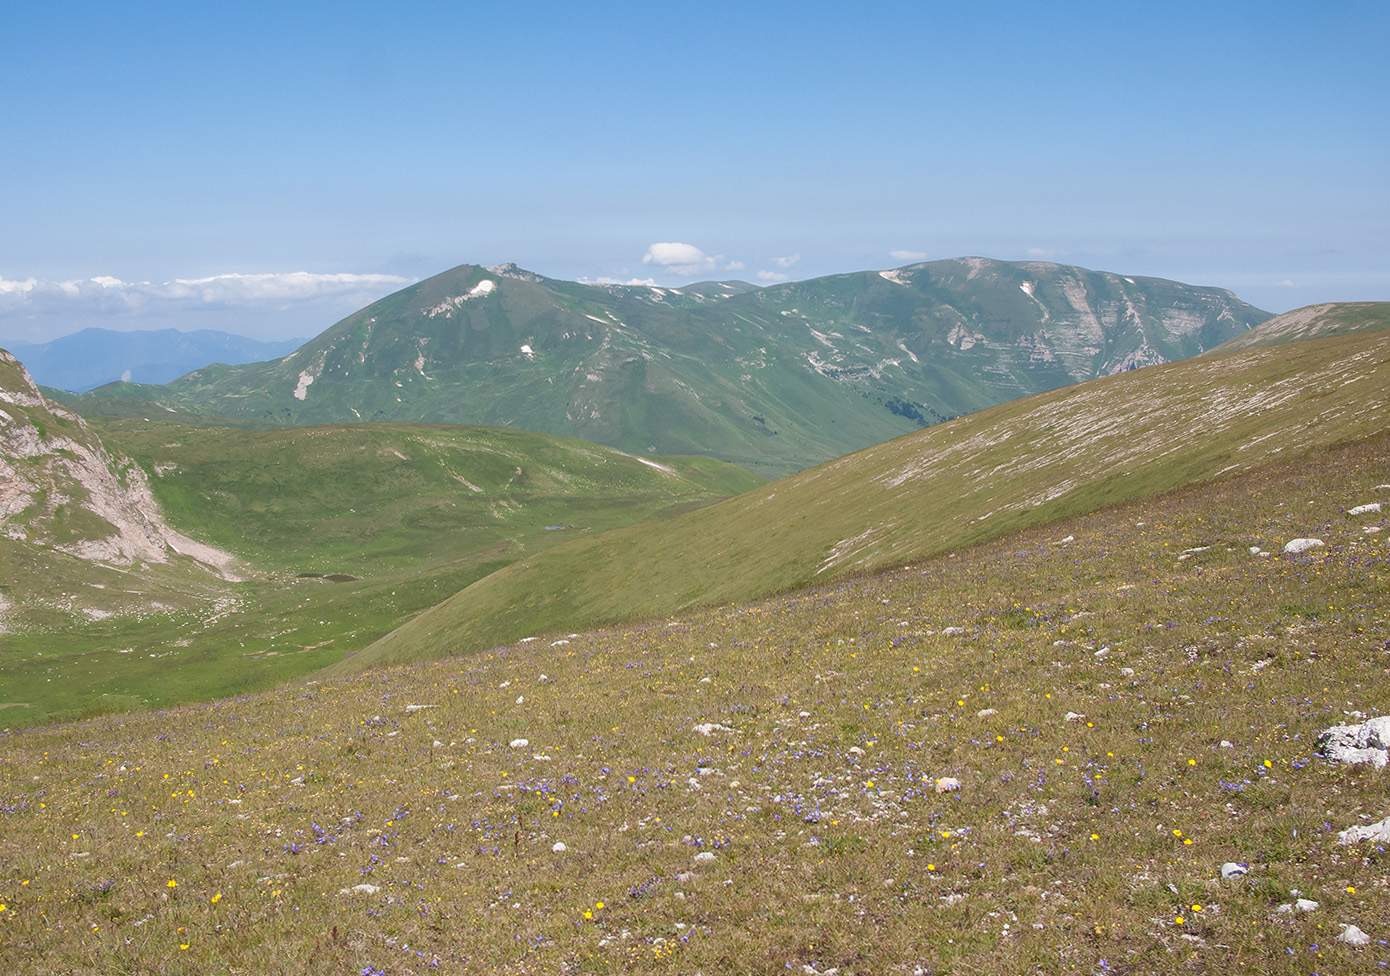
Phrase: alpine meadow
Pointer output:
(970, 616)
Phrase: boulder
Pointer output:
(1368, 742)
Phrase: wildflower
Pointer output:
(172, 884)
(216, 898)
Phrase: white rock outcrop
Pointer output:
(1368, 742)
(1376, 833)
(52, 466)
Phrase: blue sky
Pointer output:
(267, 168)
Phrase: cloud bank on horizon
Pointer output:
(35, 310)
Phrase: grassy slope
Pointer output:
(1023, 463)
(383, 503)
(1312, 322)
(230, 836)
(364, 498)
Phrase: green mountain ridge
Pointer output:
(774, 379)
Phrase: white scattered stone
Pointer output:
(709, 728)
(521, 699)
(1070, 538)
(856, 751)
(542, 678)
(559, 847)
(986, 712)
(1302, 545)
(416, 708)
(1075, 717)
(437, 744)
(704, 856)
(1231, 870)
(947, 784)
(1254, 550)
(362, 889)
(1226, 744)
(520, 743)
(1352, 935)
(952, 631)
(1368, 742)
(1377, 833)
(1302, 905)
(1127, 672)
(1364, 509)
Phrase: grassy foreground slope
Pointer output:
(348, 531)
(1023, 463)
(1124, 713)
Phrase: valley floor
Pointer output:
(1035, 755)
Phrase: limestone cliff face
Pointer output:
(59, 488)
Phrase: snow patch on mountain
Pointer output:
(301, 390)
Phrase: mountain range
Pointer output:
(775, 379)
(94, 357)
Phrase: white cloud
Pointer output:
(34, 309)
(908, 255)
(610, 280)
(790, 261)
(682, 259)
(1287, 283)
(735, 266)
(104, 293)
(772, 277)
(1045, 254)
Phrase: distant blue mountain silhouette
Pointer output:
(87, 359)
